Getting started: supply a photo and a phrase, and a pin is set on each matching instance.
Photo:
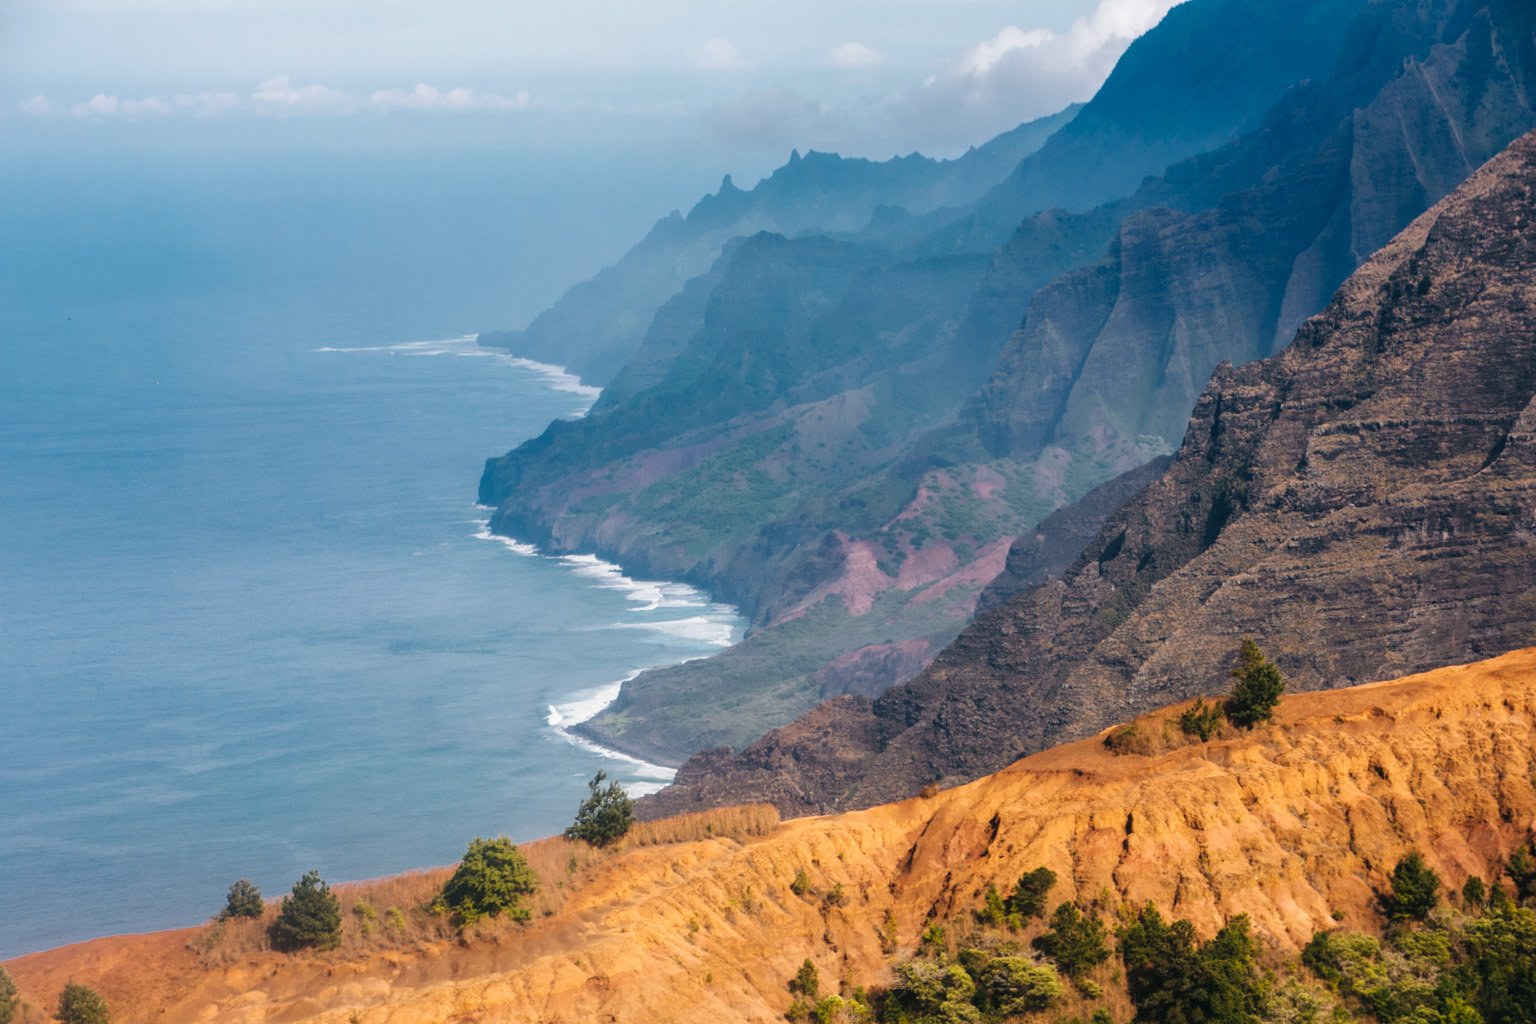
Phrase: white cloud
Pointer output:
(279, 96)
(721, 55)
(37, 106)
(855, 55)
(427, 97)
(1021, 73)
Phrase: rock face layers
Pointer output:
(1291, 824)
(817, 450)
(1362, 503)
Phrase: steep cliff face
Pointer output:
(597, 326)
(800, 481)
(1361, 502)
(1296, 824)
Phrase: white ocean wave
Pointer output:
(556, 378)
(710, 629)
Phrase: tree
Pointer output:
(1474, 893)
(1174, 980)
(310, 918)
(244, 900)
(1076, 941)
(1256, 688)
(10, 1001)
(1028, 898)
(1522, 870)
(604, 816)
(492, 879)
(1201, 720)
(1015, 985)
(1415, 890)
(807, 981)
(81, 1005)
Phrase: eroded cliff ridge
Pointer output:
(1362, 502)
(1296, 824)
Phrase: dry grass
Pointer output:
(396, 912)
(742, 822)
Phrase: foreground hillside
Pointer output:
(1296, 824)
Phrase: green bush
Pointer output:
(801, 884)
(1172, 979)
(244, 900)
(1014, 985)
(1256, 688)
(1201, 720)
(310, 918)
(492, 879)
(1522, 870)
(807, 981)
(1415, 890)
(1474, 894)
(10, 1000)
(1028, 898)
(81, 1005)
(605, 816)
(1075, 941)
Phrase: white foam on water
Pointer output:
(556, 378)
(707, 629)
(586, 704)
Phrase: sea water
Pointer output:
(251, 619)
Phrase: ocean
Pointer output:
(251, 621)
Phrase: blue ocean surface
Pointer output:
(250, 619)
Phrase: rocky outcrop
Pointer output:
(598, 325)
(1363, 503)
(1296, 824)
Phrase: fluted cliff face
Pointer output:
(827, 471)
(1296, 824)
(1363, 503)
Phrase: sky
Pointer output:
(516, 146)
(870, 77)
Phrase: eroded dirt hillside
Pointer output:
(1295, 824)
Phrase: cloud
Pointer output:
(1021, 73)
(279, 97)
(768, 118)
(721, 55)
(855, 55)
(276, 97)
(427, 97)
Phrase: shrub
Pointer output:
(604, 816)
(1173, 980)
(1522, 870)
(1256, 688)
(492, 879)
(994, 910)
(1125, 740)
(801, 884)
(1474, 893)
(807, 981)
(81, 1005)
(310, 918)
(10, 1001)
(1028, 898)
(1201, 720)
(1415, 890)
(1075, 941)
(1014, 985)
(244, 900)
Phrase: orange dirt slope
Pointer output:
(1292, 824)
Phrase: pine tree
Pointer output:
(492, 879)
(10, 1000)
(244, 900)
(1256, 688)
(81, 1005)
(310, 918)
(605, 816)
(1415, 890)
(1075, 941)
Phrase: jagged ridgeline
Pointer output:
(844, 434)
(1363, 501)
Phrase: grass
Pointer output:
(396, 912)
